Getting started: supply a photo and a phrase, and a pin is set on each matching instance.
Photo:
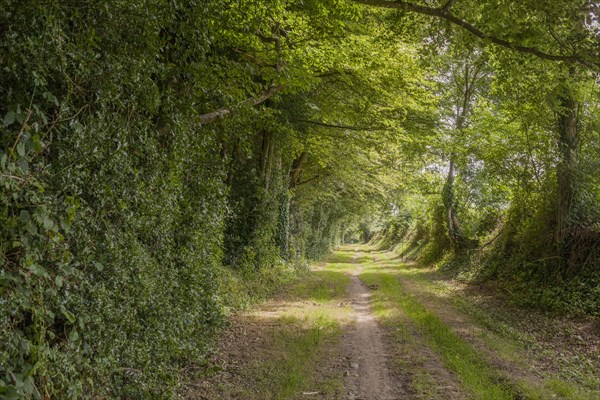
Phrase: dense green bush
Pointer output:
(128, 224)
(112, 207)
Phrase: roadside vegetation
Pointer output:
(285, 346)
(490, 358)
(167, 163)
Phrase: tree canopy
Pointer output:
(163, 162)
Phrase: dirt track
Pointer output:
(368, 376)
(373, 356)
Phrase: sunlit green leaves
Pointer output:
(119, 210)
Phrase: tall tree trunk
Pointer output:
(455, 232)
(566, 171)
(296, 169)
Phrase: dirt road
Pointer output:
(368, 376)
(364, 326)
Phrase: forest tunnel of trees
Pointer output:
(163, 162)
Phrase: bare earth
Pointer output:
(368, 377)
(385, 365)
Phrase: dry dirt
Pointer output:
(368, 376)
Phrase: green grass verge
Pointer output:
(287, 368)
(476, 375)
(306, 333)
(511, 343)
(322, 286)
(457, 355)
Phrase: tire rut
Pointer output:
(368, 376)
(381, 366)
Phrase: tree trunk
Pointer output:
(566, 171)
(296, 169)
(455, 232)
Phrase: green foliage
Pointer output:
(106, 293)
(508, 151)
(130, 225)
(162, 162)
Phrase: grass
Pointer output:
(297, 347)
(322, 286)
(312, 312)
(304, 333)
(457, 355)
(473, 370)
(341, 257)
(306, 329)
(572, 369)
(511, 344)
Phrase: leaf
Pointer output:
(31, 228)
(21, 149)
(24, 216)
(50, 97)
(73, 336)
(48, 223)
(37, 270)
(29, 387)
(99, 266)
(65, 225)
(69, 316)
(11, 393)
(24, 166)
(9, 118)
(37, 143)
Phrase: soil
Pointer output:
(368, 375)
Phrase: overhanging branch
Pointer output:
(310, 180)
(348, 127)
(444, 13)
(222, 112)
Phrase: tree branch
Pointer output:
(222, 112)
(445, 14)
(296, 169)
(348, 127)
(448, 5)
(310, 180)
